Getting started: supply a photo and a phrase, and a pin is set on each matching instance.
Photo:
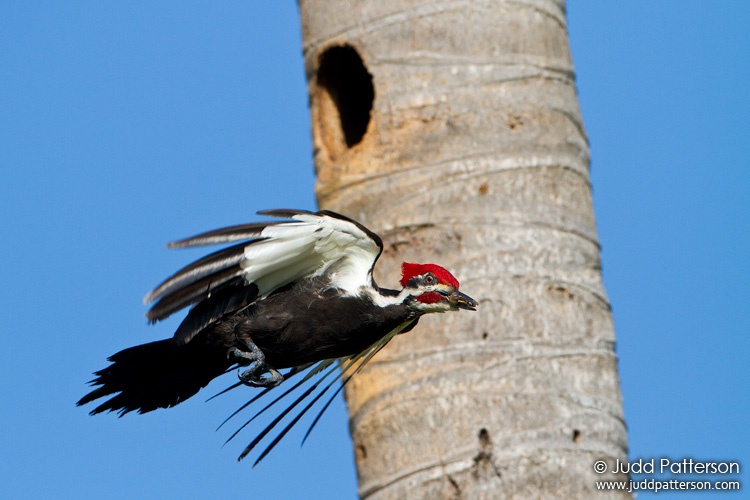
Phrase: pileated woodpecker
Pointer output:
(294, 294)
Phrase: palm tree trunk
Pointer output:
(453, 129)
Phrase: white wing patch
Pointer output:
(311, 247)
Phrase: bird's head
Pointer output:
(432, 288)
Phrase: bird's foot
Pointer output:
(261, 376)
(260, 373)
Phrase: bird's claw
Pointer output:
(260, 373)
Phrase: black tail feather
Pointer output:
(156, 375)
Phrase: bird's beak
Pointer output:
(462, 301)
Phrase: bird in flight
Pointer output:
(294, 295)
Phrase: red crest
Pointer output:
(408, 271)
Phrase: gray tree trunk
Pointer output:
(452, 128)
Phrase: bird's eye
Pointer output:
(429, 279)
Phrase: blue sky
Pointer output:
(126, 125)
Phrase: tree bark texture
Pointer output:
(452, 129)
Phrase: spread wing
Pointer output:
(269, 256)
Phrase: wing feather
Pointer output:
(223, 235)
(227, 300)
(190, 294)
(269, 255)
(210, 264)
